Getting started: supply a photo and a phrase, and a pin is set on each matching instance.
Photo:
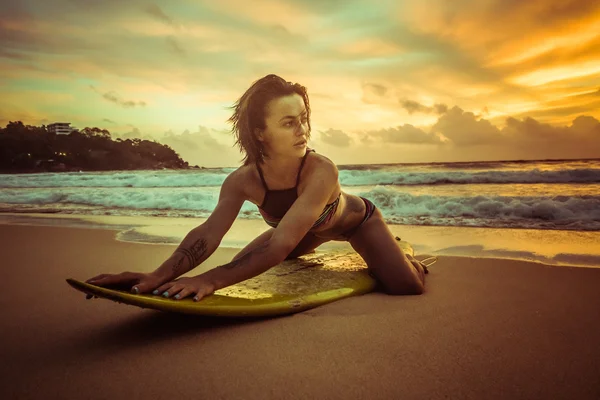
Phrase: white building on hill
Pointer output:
(61, 128)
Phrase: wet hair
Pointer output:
(250, 113)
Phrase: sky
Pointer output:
(389, 81)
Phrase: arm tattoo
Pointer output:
(246, 257)
(194, 254)
(178, 265)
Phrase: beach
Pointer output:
(485, 328)
(470, 129)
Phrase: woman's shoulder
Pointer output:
(243, 180)
(243, 174)
(320, 160)
(319, 163)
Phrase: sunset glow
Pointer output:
(455, 71)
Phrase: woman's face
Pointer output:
(286, 127)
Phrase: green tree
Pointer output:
(31, 148)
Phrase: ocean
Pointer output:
(547, 195)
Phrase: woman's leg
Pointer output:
(386, 261)
(306, 245)
(260, 239)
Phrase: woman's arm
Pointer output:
(196, 247)
(201, 242)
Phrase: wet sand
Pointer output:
(484, 329)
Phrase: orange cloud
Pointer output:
(336, 138)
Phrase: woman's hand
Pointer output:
(136, 282)
(184, 287)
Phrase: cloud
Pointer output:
(15, 55)
(376, 89)
(465, 129)
(581, 139)
(122, 45)
(188, 140)
(320, 7)
(430, 54)
(405, 134)
(373, 93)
(114, 98)
(283, 36)
(412, 107)
(524, 138)
(483, 25)
(441, 108)
(202, 147)
(336, 138)
(583, 130)
(110, 121)
(174, 46)
(586, 125)
(380, 90)
(156, 12)
(133, 134)
(366, 140)
(458, 49)
(16, 11)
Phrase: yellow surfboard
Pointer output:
(290, 287)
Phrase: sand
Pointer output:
(484, 329)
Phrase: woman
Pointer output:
(298, 194)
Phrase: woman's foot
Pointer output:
(417, 263)
(413, 260)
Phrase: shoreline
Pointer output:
(550, 247)
(60, 214)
